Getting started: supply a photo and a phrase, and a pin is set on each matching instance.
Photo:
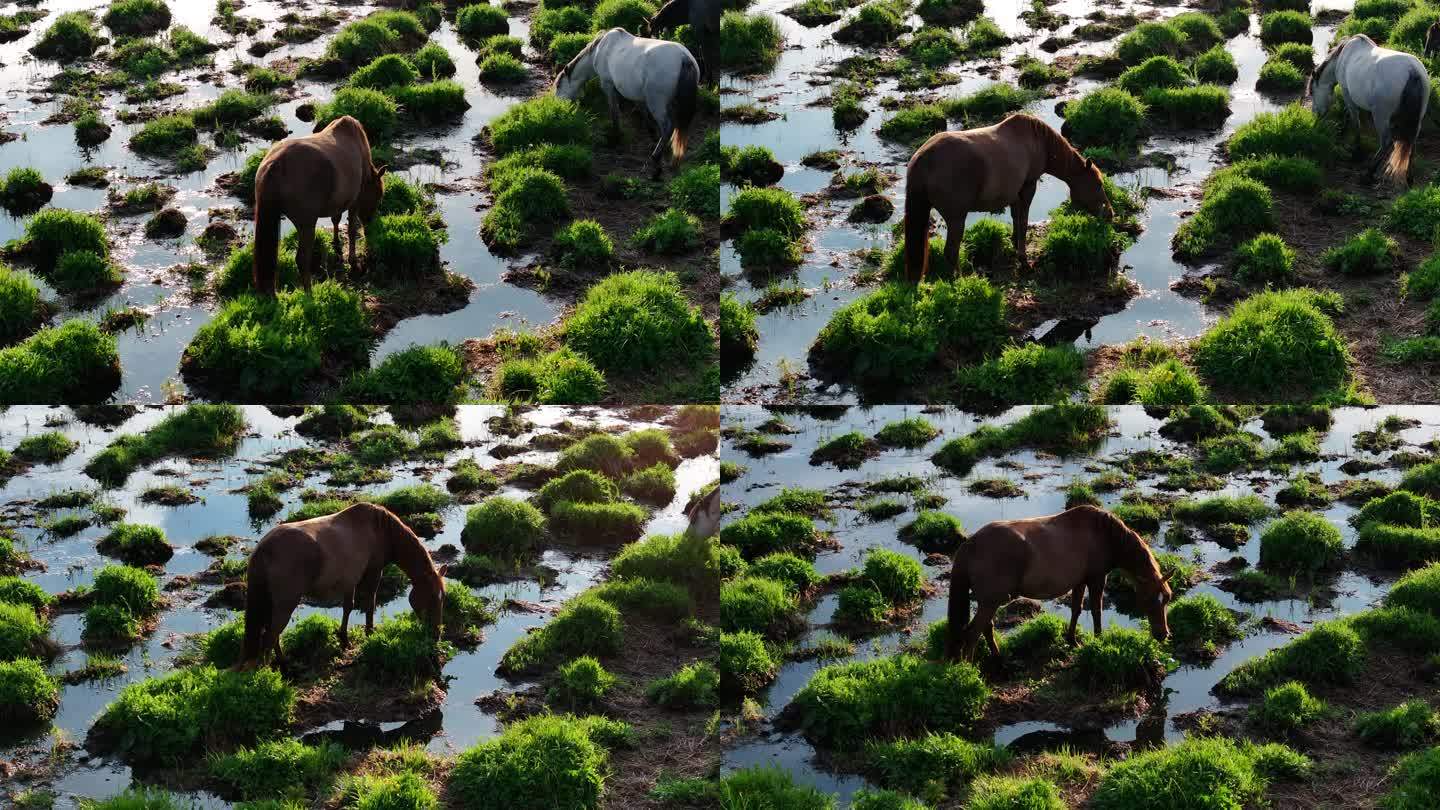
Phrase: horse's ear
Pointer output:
(381, 169)
(1089, 163)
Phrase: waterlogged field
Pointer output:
(514, 242)
(1298, 542)
(1234, 203)
(576, 658)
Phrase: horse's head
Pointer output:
(371, 190)
(704, 515)
(1088, 191)
(1152, 591)
(1432, 40)
(428, 599)
(567, 82)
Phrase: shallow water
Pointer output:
(150, 357)
(829, 263)
(72, 561)
(1044, 478)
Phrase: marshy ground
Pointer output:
(579, 621)
(131, 138)
(1296, 540)
(1190, 111)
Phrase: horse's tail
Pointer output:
(687, 88)
(959, 610)
(1405, 123)
(917, 229)
(267, 241)
(257, 611)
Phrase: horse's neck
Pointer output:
(1061, 159)
(585, 67)
(404, 549)
(1127, 553)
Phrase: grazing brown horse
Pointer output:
(325, 174)
(337, 557)
(987, 169)
(1043, 558)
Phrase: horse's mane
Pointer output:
(1057, 148)
(409, 552)
(589, 46)
(1131, 549)
(1325, 63)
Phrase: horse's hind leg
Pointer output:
(1020, 213)
(1077, 602)
(304, 251)
(954, 236)
(1097, 600)
(983, 622)
(356, 229)
(280, 619)
(335, 242)
(365, 591)
(346, 605)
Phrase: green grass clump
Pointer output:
(1064, 428)
(363, 41)
(627, 14)
(199, 429)
(1215, 771)
(746, 664)
(481, 20)
(1108, 116)
(587, 625)
(1121, 658)
(797, 574)
(898, 578)
(1416, 213)
(28, 694)
(1275, 341)
(653, 485)
(578, 486)
(1300, 544)
(540, 762)
(603, 453)
(1398, 546)
(503, 527)
(757, 605)
(267, 348)
(276, 769)
(1199, 622)
(551, 23)
(1291, 132)
(433, 62)
(845, 704)
(1157, 71)
(696, 189)
(1216, 66)
(1280, 76)
(913, 432)
(24, 190)
(532, 201)
(232, 108)
(667, 557)
(749, 41)
(429, 374)
(637, 320)
(22, 632)
(565, 47)
(378, 113)
(694, 686)
(126, 587)
(1287, 708)
(759, 534)
(56, 232)
(389, 70)
(987, 105)
(583, 243)
(166, 135)
(402, 650)
(598, 522)
(1148, 40)
(1079, 243)
(1204, 105)
(580, 683)
(1330, 653)
(1285, 26)
(739, 336)
(21, 307)
(937, 759)
(136, 544)
(1422, 283)
(1233, 207)
(45, 448)
(1407, 725)
(1266, 259)
(440, 100)
(404, 245)
(136, 18)
(70, 37)
(1367, 253)
(17, 591)
(670, 232)
(1213, 511)
(1418, 590)
(895, 333)
(166, 719)
(1032, 373)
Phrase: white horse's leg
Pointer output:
(666, 127)
(612, 97)
(1382, 114)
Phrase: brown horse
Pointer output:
(325, 174)
(988, 169)
(1043, 558)
(337, 557)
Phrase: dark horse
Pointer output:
(703, 16)
(338, 557)
(325, 174)
(1044, 558)
(988, 169)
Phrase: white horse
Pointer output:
(1392, 86)
(661, 74)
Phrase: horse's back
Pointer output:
(1044, 557)
(980, 169)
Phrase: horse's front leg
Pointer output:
(1020, 215)
(356, 229)
(280, 619)
(612, 99)
(335, 243)
(304, 250)
(346, 605)
(1077, 602)
(1097, 600)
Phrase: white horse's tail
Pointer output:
(682, 110)
(1405, 124)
